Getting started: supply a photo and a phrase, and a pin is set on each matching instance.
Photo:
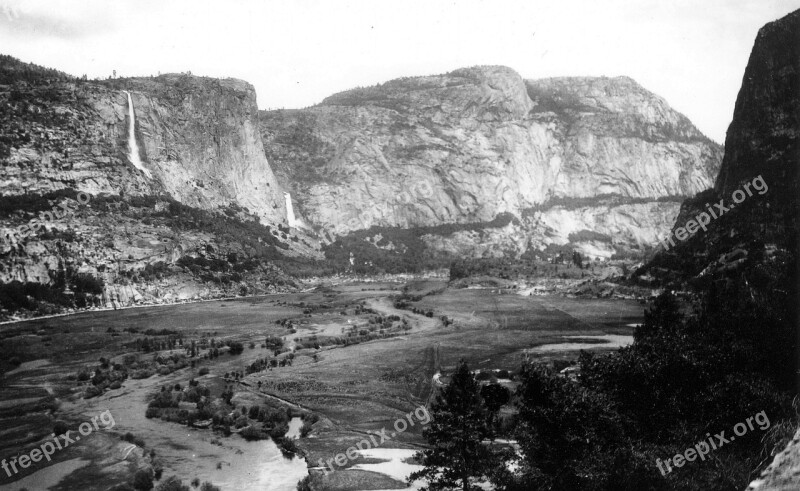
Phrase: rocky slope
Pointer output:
(763, 139)
(204, 215)
(598, 158)
(782, 473)
(755, 242)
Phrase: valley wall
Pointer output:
(558, 154)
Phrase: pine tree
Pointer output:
(458, 458)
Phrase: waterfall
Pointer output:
(293, 221)
(133, 147)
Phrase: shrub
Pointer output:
(236, 348)
(288, 446)
(483, 376)
(84, 283)
(172, 483)
(306, 429)
(142, 480)
(279, 430)
(304, 484)
(252, 433)
(131, 438)
(60, 427)
(139, 374)
(92, 391)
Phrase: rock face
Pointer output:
(763, 139)
(202, 216)
(763, 136)
(198, 136)
(565, 156)
(781, 475)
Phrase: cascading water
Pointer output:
(293, 221)
(133, 147)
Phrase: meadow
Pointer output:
(351, 357)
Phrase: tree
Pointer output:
(458, 457)
(495, 396)
(577, 259)
(570, 437)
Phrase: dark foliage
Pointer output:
(458, 457)
(410, 253)
(693, 369)
(34, 203)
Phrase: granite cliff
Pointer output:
(197, 136)
(763, 139)
(203, 215)
(598, 163)
(763, 135)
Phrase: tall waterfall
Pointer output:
(293, 221)
(133, 147)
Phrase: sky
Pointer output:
(296, 53)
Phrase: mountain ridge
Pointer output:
(487, 142)
(448, 158)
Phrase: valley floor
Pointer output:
(356, 388)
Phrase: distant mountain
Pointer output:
(600, 164)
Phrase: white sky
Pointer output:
(692, 53)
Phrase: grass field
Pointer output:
(355, 389)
